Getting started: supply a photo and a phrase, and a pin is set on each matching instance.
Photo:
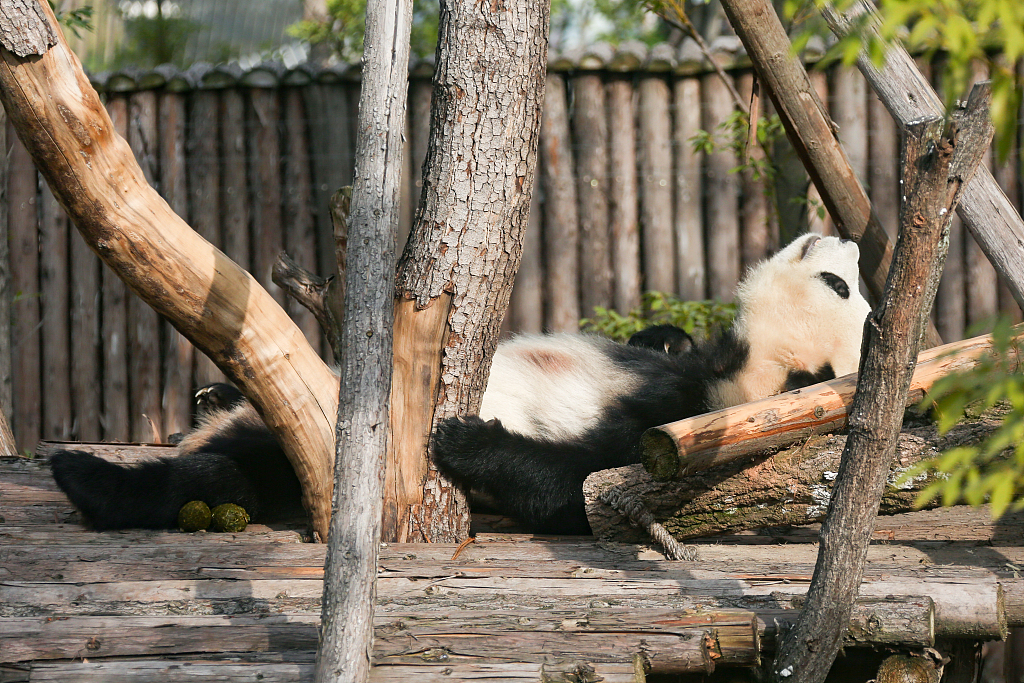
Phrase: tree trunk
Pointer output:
(787, 488)
(366, 255)
(935, 169)
(206, 296)
(455, 276)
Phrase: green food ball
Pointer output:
(194, 516)
(230, 517)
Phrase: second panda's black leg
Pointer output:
(538, 482)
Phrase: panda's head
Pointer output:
(799, 311)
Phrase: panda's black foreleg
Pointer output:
(538, 482)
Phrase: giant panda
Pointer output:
(557, 407)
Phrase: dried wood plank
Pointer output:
(884, 152)
(689, 217)
(590, 128)
(624, 221)
(951, 301)
(265, 178)
(300, 239)
(178, 356)
(697, 443)
(143, 322)
(526, 307)
(815, 222)
(850, 113)
(56, 336)
(561, 222)
(235, 201)
(721, 197)
(6, 283)
(23, 238)
(654, 128)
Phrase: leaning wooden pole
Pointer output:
(936, 167)
(350, 569)
(984, 208)
(213, 302)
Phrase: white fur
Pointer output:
(793, 320)
(552, 386)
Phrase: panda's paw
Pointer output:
(461, 445)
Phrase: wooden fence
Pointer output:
(625, 204)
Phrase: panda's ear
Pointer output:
(812, 241)
(835, 283)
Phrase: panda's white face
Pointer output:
(799, 310)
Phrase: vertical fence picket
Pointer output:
(300, 233)
(721, 225)
(25, 348)
(178, 353)
(144, 369)
(114, 321)
(265, 175)
(56, 337)
(656, 226)
(755, 238)
(526, 308)
(689, 174)
(818, 219)
(561, 223)
(234, 179)
(883, 180)
(623, 201)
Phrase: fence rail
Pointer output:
(625, 204)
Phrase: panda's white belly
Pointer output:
(552, 386)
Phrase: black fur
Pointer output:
(215, 397)
(540, 481)
(836, 284)
(798, 379)
(239, 462)
(667, 338)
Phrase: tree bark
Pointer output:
(787, 488)
(455, 276)
(206, 296)
(366, 255)
(908, 96)
(935, 169)
(680, 449)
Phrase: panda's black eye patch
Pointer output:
(835, 283)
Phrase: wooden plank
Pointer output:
(655, 135)
(144, 368)
(1006, 173)
(204, 192)
(179, 355)
(54, 266)
(689, 223)
(300, 239)
(23, 237)
(622, 193)
(233, 671)
(982, 281)
(6, 278)
(721, 197)
(561, 223)
(590, 130)
(265, 177)
(114, 317)
(850, 113)
(756, 239)
(820, 224)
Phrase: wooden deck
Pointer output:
(77, 605)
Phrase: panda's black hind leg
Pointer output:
(538, 482)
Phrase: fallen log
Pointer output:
(683, 448)
(791, 487)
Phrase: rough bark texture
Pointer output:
(787, 488)
(207, 297)
(908, 96)
(455, 275)
(935, 168)
(368, 262)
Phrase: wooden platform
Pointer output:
(77, 605)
